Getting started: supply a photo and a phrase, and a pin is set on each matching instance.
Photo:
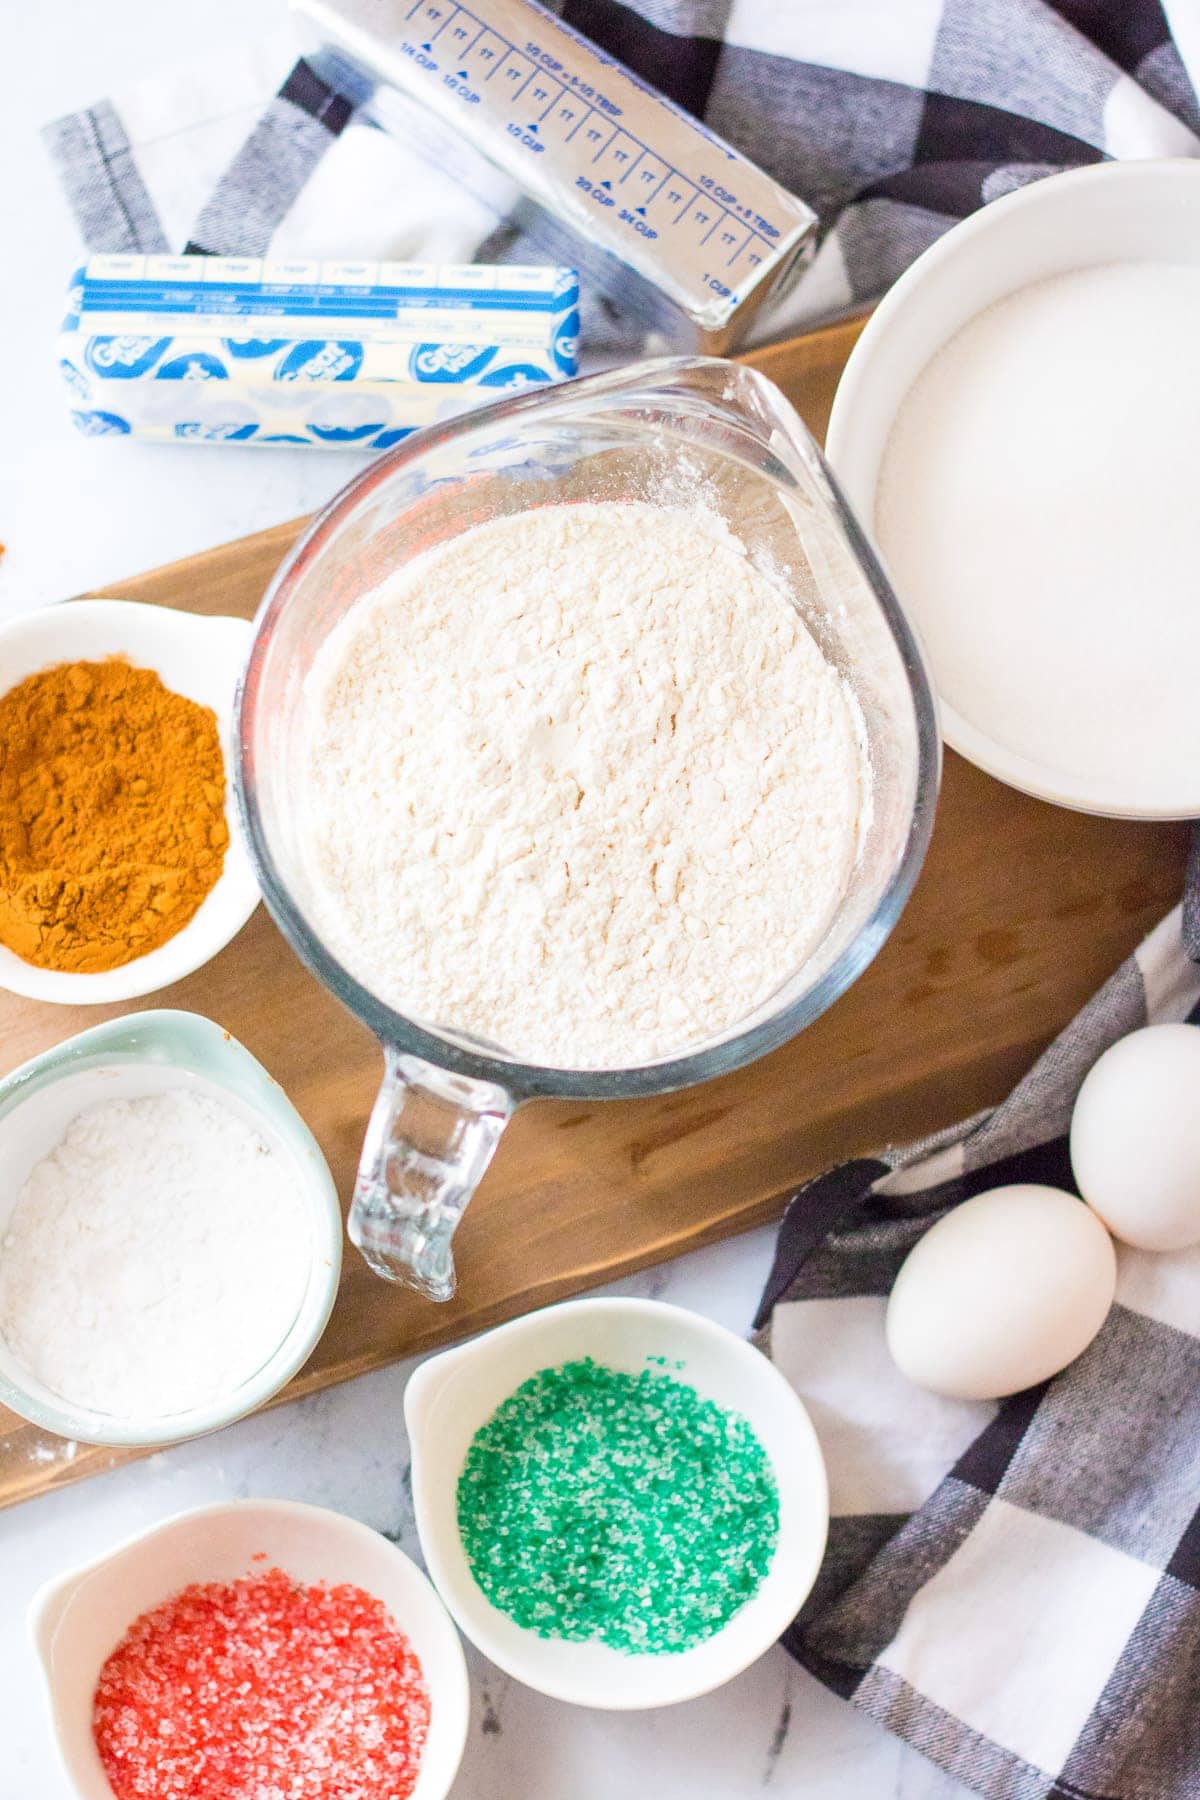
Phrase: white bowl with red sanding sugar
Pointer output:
(77, 1620)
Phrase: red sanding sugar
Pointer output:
(262, 1689)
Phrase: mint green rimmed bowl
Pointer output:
(149, 1053)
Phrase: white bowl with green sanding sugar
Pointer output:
(621, 1503)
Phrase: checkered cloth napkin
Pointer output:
(1013, 1588)
(893, 118)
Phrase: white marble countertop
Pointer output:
(74, 512)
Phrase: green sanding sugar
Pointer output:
(622, 1509)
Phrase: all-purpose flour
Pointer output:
(581, 783)
(155, 1259)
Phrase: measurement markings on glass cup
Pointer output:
(565, 116)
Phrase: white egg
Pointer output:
(1003, 1292)
(1135, 1137)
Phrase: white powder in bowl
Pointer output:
(581, 783)
(155, 1259)
(1037, 510)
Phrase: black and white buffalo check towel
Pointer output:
(893, 118)
(1014, 1589)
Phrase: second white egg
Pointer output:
(1135, 1137)
(1001, 1293)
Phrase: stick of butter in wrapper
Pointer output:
(351, 354)
(686, 232)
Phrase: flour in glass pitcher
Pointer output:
(581, 783)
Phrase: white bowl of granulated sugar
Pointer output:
(170, 1235)
(1016, 425)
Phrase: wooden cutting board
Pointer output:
(1020, 913)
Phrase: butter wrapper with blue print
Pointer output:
(245, 350)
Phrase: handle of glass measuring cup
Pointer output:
(430, 1139)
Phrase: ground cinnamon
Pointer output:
(112, 814)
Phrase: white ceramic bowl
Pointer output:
(200, 658)
(1110, 212)
(78, 1620)
(452, 1395)
(147, 1053)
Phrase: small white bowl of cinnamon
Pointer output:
(122, 867)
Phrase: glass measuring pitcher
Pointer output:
(672, 425)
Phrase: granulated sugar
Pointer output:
(156, 1258)
(1037, 510)
(582, 784)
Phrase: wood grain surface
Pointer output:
(1021, 911)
